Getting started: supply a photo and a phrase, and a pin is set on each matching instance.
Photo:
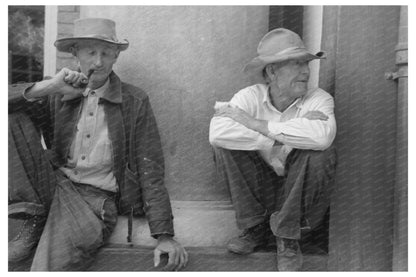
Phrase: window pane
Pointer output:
(26, 32)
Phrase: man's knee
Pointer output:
(242, 158)
(21, 125)
(221, 154)
(218, 150)
(324, 158)
(316, 159)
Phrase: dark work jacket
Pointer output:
(138, 163)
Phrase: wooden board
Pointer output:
(361, 223)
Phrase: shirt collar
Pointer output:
(111, 90)
(98, 91)
(266, 99)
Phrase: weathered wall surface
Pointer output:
(186, 58)
(66, 16)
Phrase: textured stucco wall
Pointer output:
(65, 21)
(186, 58)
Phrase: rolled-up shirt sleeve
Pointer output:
(229, 134)
(303, 133)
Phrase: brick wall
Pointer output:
(66, 17)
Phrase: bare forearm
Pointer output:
(261, 127)
(65, 82)
(242, 117)
(258, 125)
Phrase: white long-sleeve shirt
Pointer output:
(287, 127)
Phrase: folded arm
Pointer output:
(314, 129)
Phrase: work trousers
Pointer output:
(294, 202)
(79, 217)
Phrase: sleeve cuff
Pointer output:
(274, 128)
(265, 142)
(27, 98)
(156, 236)
(161, 227)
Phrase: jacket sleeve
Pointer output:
(150, 166)
(38, 110)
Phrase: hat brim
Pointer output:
(65, 44)
(256, 65)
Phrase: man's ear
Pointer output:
(73, 50)
(117, 53)
(270, 70)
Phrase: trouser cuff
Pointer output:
(22, 209)
(283, 228)
(249, 222)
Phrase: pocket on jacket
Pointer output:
(130, 193)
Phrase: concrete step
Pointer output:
(203, 228)
(200, 259)
(196, 223)
(140, 258)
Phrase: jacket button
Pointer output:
(82, 157)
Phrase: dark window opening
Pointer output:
(289, 17)
(26, 34)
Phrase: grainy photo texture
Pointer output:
(207, 138)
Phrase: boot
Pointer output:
(23, 244)
(289, 255)
(250, 239)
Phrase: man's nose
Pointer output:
(305, 69)
(98, 61)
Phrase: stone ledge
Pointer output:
(196, 223)
(119, 258)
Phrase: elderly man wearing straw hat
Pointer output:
(272, 145)
(103, 158)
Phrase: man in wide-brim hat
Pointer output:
(272, 143)
(104, 158)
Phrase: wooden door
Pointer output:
(362, 42)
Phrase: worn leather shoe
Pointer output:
(250, 239)
(22, 245)
(289, 255)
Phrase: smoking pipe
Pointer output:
(85, 82)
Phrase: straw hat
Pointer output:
(99, 29)
(279, 45)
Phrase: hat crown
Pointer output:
(279, 40)
(95, 27)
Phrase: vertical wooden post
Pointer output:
(330, 25)
(51, 31)
(290, 17)
(401, 181)
(362, 206)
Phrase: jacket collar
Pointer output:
(111, 94)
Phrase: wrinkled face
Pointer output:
(99, 56)
(291, 77)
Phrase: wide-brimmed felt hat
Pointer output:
(279, 45)
(100, 29)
